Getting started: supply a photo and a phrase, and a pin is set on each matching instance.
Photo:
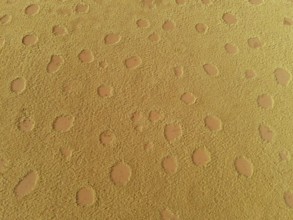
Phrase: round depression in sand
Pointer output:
(173, 132)
(120, 174)
(112, 38)
(32, 9)
(133, 62)
(63, 123)
(18, 85)
(213, 123)
(85, 196)
(86, 56)
(30, 39)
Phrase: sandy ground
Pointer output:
(154, 109)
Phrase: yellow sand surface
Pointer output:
(140, 110)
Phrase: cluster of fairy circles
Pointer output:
(121, 172)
